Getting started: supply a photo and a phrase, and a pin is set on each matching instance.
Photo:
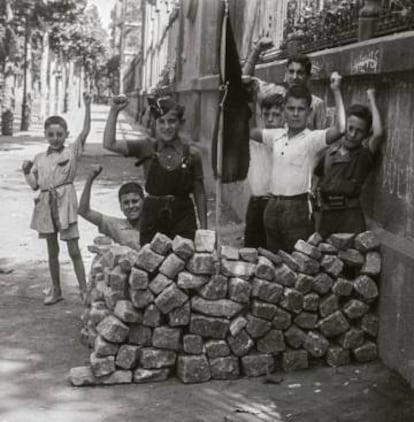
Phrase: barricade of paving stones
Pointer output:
(173, 308)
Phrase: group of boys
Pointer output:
(285, 151)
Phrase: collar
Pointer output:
(349, 152)
(298, 135)
(52, 150)
(176, 145)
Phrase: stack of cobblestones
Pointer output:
(175, 308)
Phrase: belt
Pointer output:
(261, 197)
(55, 187)
(300, 197)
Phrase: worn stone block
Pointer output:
(272, 342)
(239, 290)
(125, 311)
(161, 244)
(341, 240)
(292, 300)
(315, 239)
(327, 248)
(366, 288)
(332, 265)
(141, 298)
(322, 283)
(355, 309)
(328, 305)
(150, 375)
(116, 279)
(127, 356)
(180, 316)
(288, 260)
(127, 261)
(220, 308)
(352, 339)
(82, 376)
(294, 336)
(215, 288)
(152, 316)
(306, 320)
(229, 252)
(307, 249)
(240, 344)
(282, 319)
(138, 334)
(295, 360)
(118, 377)
(263, 310)
(266, 291)
(148, 260)
(103, 348)
(209, 326)
(112, 329)
(138, 279)
(249, 254)
(151, 358)
(237, 324)
(97, 315)
(264, 269)
(306, 264)
(304, 283)
(202, 264)
(171, 266)
(273, 258)
(333, 324)
(372, 265)
(170, 298)
(205, 240)
(366, 241)
(193, 344)
(285, 276)
(183, 248)
(351, 258)
(257, 327)
(193, 369)
(369, 324)
(159, 283)
(316, 344)
(102, 366)
(216, 348)
(311, 302)
(241, 269)
(111, 297)
(366, 353)
(256, 365)
(166, 338)
(342, 287)
(187, 280)
(337, 356)
(225, 368)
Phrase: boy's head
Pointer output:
(56, 131)
(298, 102)
(131, 198)
(272, 111)
(358, 125)
(298, 70)
(169, 116)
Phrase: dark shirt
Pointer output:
(344, 174)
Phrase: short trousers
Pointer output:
(71, 233)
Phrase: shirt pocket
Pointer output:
(63, 163)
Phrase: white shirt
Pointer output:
(260, 168)
(293, 159)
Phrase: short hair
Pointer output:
(362, 112)
(161, 106)
(303, 60)
(130, 187)
(299, 91)
(272, 100)
(56, 120)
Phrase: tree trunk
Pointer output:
(27, 82)
(7, 112)
(44, 77)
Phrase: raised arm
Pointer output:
(377, 128)
(109, 139)
(338, 129)
(263, 44)
(84, 209)
(87, 99)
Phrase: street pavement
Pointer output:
(39, 345)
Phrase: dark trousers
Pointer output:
(348, 220)
(254, 232)
(169, 215)
(287, 220)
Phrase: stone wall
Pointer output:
(175, 307)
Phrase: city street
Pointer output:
(40, 344)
